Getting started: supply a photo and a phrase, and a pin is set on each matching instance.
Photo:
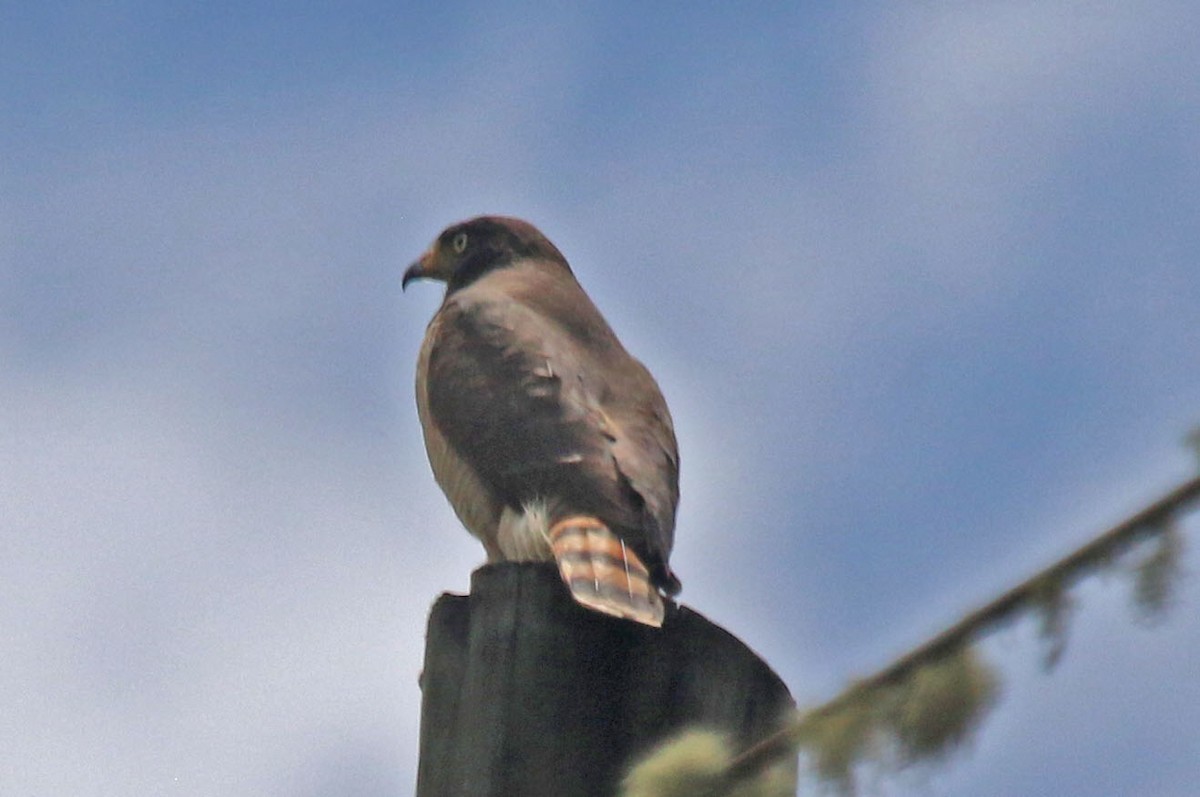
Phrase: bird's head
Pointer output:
(468, 250)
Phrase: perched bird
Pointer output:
(550, 441)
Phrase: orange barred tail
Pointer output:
(602, 573)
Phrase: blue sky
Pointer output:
(920, 285)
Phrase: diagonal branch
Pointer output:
(1063, 573)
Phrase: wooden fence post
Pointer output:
(526, 694)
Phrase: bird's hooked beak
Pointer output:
(427, 266)
(417, 270)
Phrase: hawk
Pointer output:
(550, 441)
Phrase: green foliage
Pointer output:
(1192, 441)
(940, 704)
(696, 764)
(837, 741)
(921, 716)
(1054, 607)
(690, 764)
(1157, 575)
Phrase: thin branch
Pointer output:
(1064, 572)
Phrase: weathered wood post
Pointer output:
(527, 694)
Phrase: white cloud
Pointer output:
(974, 109)
(209, 614)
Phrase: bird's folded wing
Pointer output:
(521, 398)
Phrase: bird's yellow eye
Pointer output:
(459, 243)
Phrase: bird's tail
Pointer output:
(603, 573)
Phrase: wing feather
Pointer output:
(530, 386)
